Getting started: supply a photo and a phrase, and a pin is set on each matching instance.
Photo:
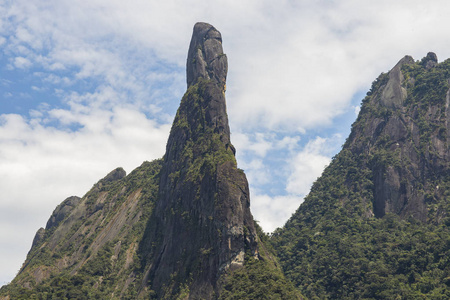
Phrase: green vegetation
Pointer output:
(96, 270)
(348, 258)
(334, 247)
(342, 243)
(202, 147)
(259, 278)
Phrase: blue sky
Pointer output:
(88, 86)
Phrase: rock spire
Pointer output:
(203, 213)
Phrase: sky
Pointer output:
(87, 86)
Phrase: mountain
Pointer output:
(175, 228)
(375, 225)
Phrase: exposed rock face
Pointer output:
(91, 238)
(175, 228)
(114, 175)
(430, 60)
(38, 237)
(405, 136)
(62, 211)
(394, 94)
(203, 219)
(206, 59)
(383, 197)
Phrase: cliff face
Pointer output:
(202, 219)
(382, 205)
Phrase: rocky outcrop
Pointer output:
(91, 238)
(203, 219)
(206, 59)
(114, 175)
(372, 221)
(430, 60)
(62, 211)
(38, 237)
(402, 132)
(394, 93)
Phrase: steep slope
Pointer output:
(175, 228)
(375, 224)
(89, 248)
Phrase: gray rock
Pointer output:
(203, 212)
(114, 175)
(418, 159)
(62, 211)
(430, 61)
(394, 94)
(205, 57)
(38, 237)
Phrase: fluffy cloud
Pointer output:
(303, 167)
(307, 165)
(273, 212)
(21, 62)
(305, 66)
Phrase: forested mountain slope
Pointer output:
(375, 225)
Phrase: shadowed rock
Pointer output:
(206, 59)
(396, 127)
(38, 237)
(430, 60)
(203, 213)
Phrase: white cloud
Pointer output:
(307, 166)
(256, 143)
(256, 171)
(302, 71)
(22, 62)
(303, 168)
(273, 212)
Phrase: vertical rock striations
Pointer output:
(203, 223)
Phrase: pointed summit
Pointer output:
(394, 94)
(206, 59)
